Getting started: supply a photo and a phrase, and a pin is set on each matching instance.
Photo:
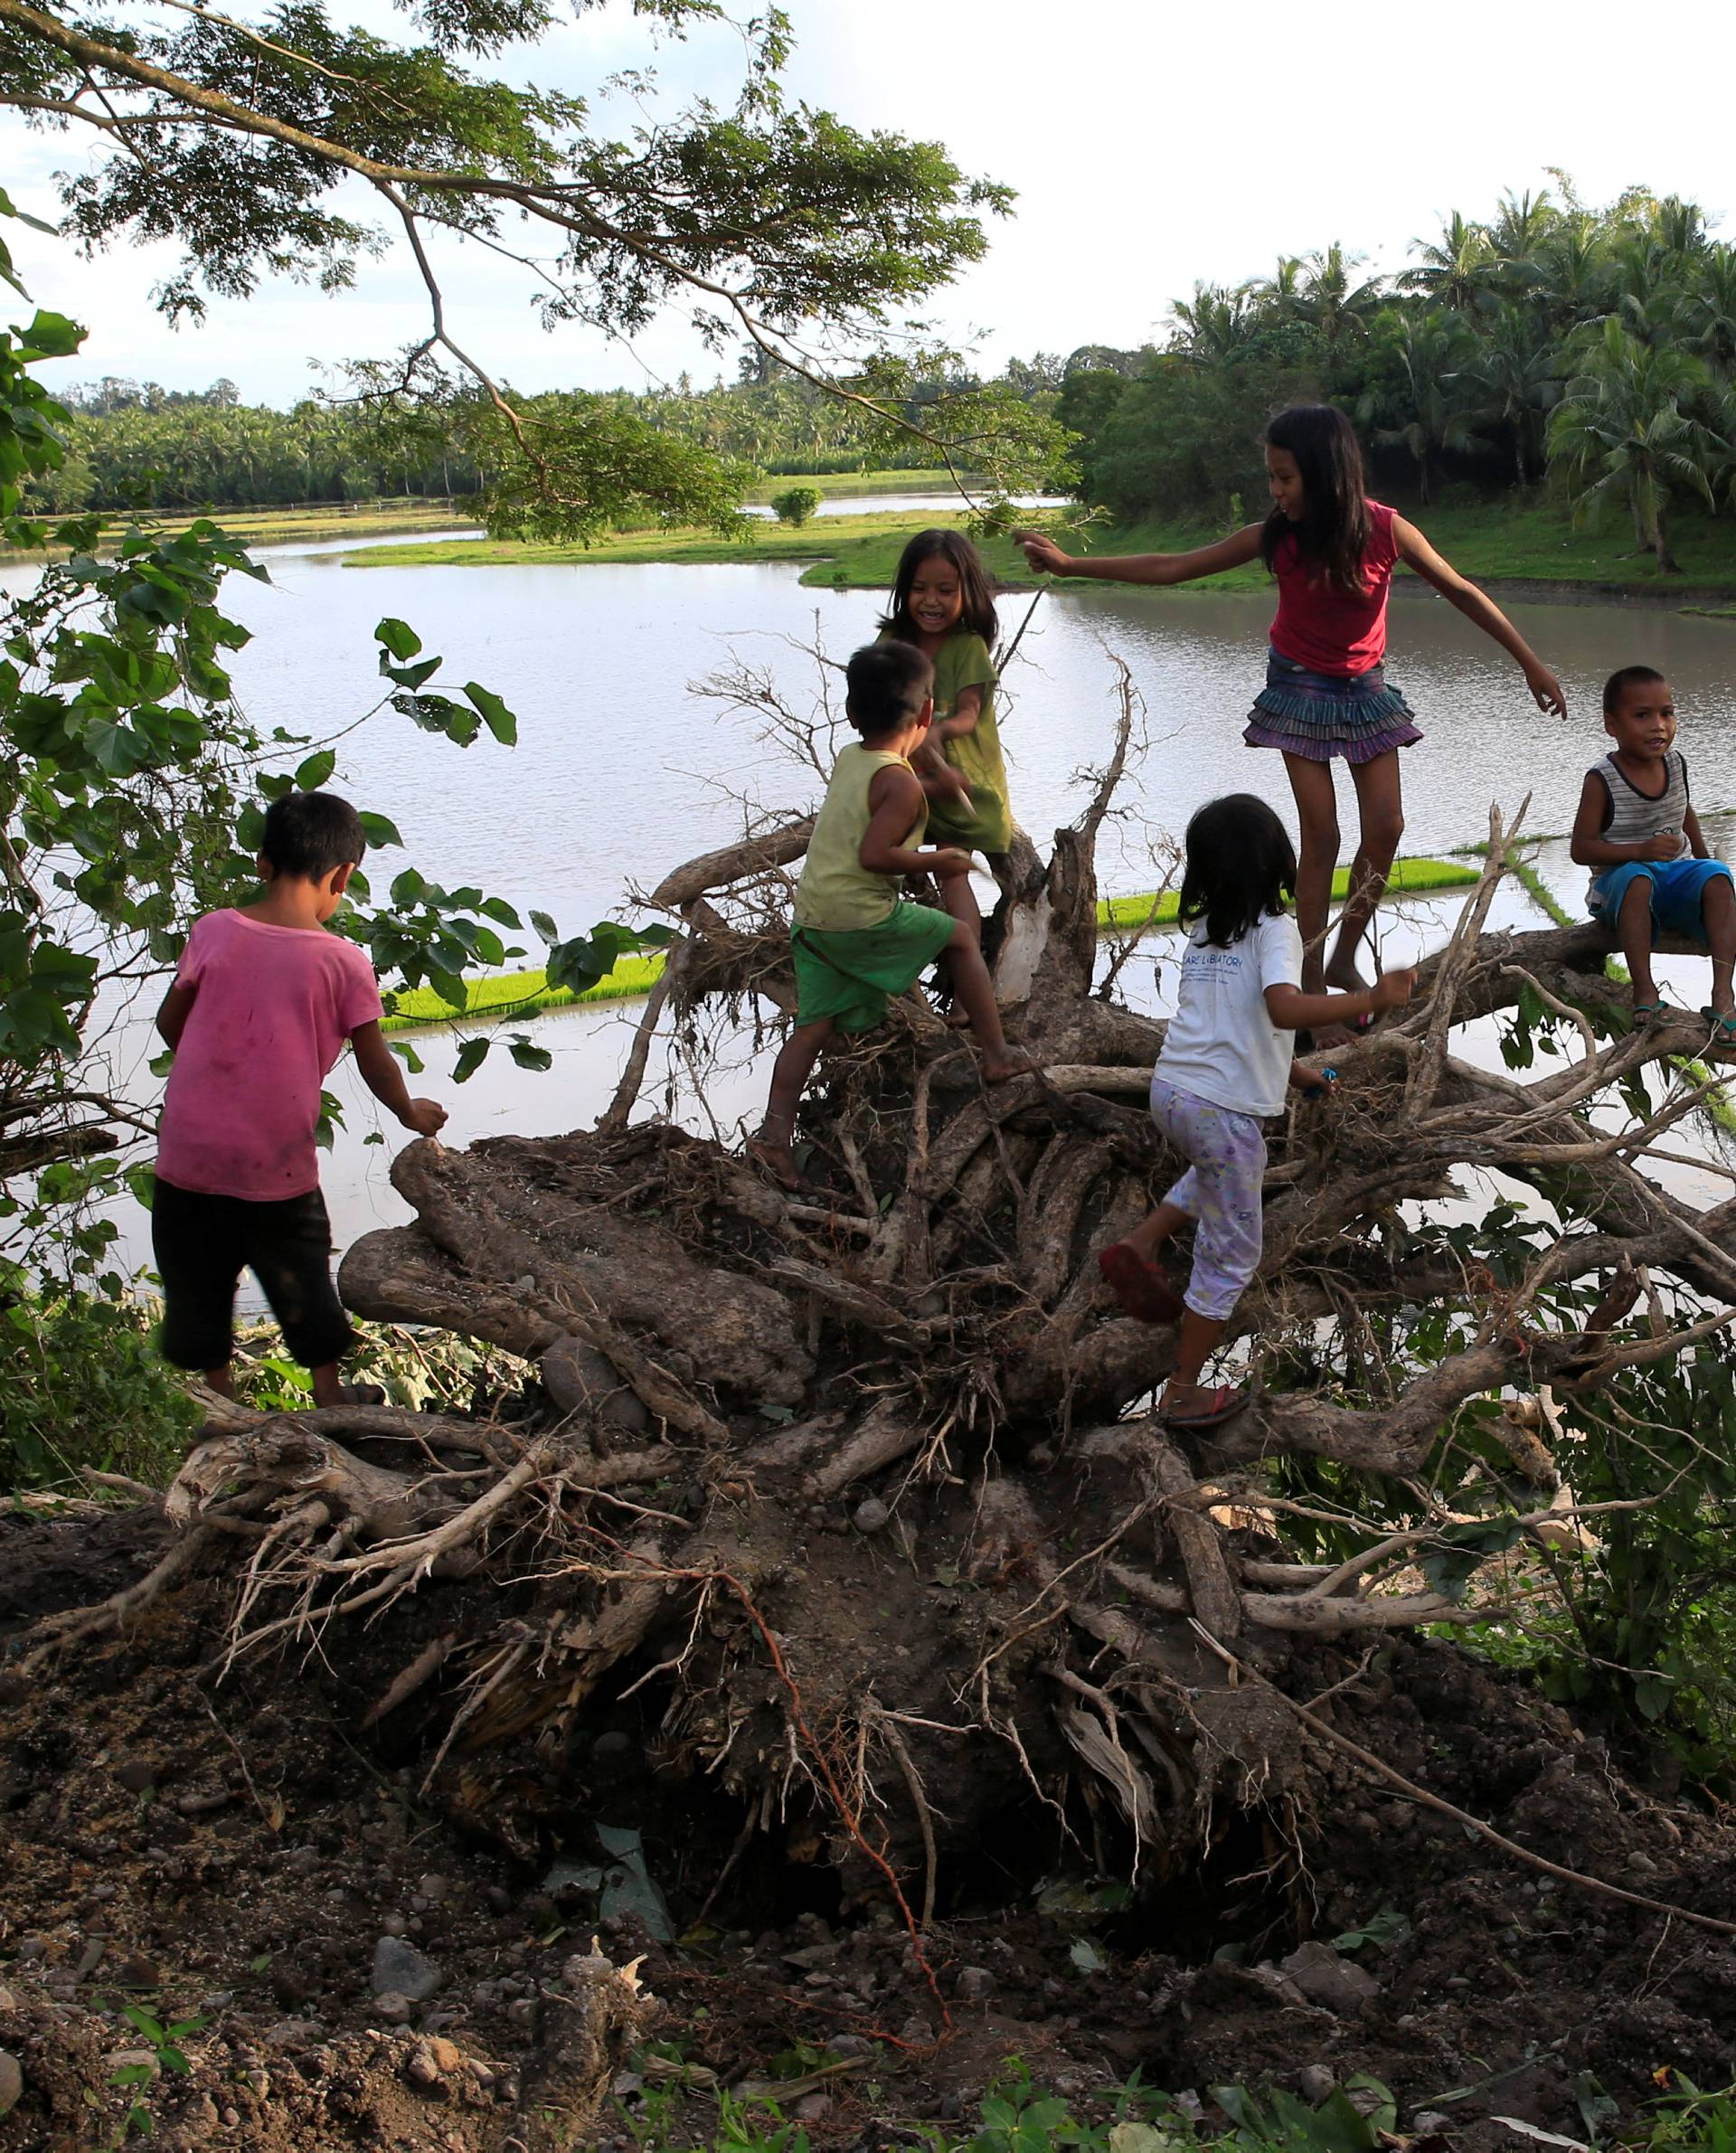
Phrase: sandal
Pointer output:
(1647, 1015)
(1140, 1288)
(1215, 1407)
(1723, 1028)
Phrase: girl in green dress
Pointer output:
(942, 604)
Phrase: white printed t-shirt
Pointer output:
(1222, 1045)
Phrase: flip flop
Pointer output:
(1723, 1028)
(1650, 1013)
(1218, 1406)
(1140, 1288)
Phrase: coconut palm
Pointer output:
(1332, 300)
(1278, 297)
(1620, 433)
(1573, 272)
(1215, 324)
(1420, 408)
(1518, 375)
(1459, 271)
(1706, 317)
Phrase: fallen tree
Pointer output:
(859, 1492)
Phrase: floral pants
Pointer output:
(1220, 1190)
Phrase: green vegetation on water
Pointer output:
(496, 995)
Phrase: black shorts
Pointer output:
(202, 1244)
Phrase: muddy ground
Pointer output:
(242, 1853)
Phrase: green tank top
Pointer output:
(836, 892)
(963, 662)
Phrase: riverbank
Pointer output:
(1526, 552)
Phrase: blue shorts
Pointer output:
(1678, 893)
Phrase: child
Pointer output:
(262, 1003)
(942, 606)
(856, 942)
(1224, 1066)
(1333, 551)
(1640, 838)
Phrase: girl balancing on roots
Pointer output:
(1333, 551)
(1224, 1067)
(942, 605)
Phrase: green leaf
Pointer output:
(52, 336)
(471, 1054)
(401, 640)
(528, 1056)
(498, 908)
(408, 1055)
(495, 716)
(378, 830)
(546, 926)
(314, 772)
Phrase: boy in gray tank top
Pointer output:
(1651, 873)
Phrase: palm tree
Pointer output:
(1457, 270)
(1215, 324)
(1706, 317)
(1620, 433)
(1573, 272)
(1331, 301)
(1518, 373)
(1522, 224)
(1421, 411)
(1278, 296)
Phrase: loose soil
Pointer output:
(233, 1851)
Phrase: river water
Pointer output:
(622, 771)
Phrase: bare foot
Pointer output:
(775, 1159)
(1011, 1061)
(1343, 974)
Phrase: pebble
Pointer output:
(1328, 1980)
(433, 1886)
(131, 2059)
(393, 1925)
(135, 1774)
(613, 1744)
(849, 2045)
(8, 2002)
(974, 1985)
(813, 2107)
(1315, 2083)
(1640, 1864)
(871, 1514)
(394, 2009)
(12, 2081)
(522, 2012)
(401, 1970)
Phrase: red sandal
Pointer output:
(1214, 1408)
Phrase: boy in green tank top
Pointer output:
(854, 941)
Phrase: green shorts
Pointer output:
(850, 974)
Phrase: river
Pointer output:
(621, 771)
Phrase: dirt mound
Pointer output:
(246, 1854)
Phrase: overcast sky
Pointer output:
(1151, 145)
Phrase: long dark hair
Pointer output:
(977, 616)
(1239, 867)
(1333, 529)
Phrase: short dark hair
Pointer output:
(976, 608)
(1239, 867)
(1623, 678)
(887, 684)
(308, 834)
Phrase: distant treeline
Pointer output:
(1591, 349)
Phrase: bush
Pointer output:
(81, 1385)
(795, 504)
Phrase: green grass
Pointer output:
(1408, 877)
(852, 483)
(1491, 543)
(292, 526)
(497, 995)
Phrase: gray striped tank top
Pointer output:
(1633, 815)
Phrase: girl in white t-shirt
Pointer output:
(1224, 1067)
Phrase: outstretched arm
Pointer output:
(383, 1075)
(1234, 552)
(1416, 553)
(1291, 1010)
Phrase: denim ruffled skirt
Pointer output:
(1318, 715)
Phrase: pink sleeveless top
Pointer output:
(1327, 629)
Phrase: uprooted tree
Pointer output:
(860, 1492)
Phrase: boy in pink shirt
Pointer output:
(262, 1003)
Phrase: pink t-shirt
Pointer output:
(1329, 630)
(273, 1008)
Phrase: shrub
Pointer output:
(795, 504)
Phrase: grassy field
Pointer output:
(494, 996)
(294, 526)
(1492, 543)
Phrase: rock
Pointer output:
(580, 1379)
(394, 1924)
(974, 1985)
(401, 1970)
(1429, 2119)
(135, 1774)
(871, 1514)
(8, 2001)
(849, 2045)
(421, 2070)
(522, 2013)
(434, 1887)
(394, 2009)
(137, 1973)
(612, 1745)
(1315, 2082)
(133, 2059)
(1330, 1981)
(1640, 1864)
(812, 2107)
(12, 2081)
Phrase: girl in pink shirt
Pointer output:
(1333, 551)
(263, 1001)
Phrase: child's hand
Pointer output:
(947, 861)
(1043, 553)
(1667, 844)
(956, 783)
(1546, 690)
(427, 1117)
(1392, 988)
(1312, 1083)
